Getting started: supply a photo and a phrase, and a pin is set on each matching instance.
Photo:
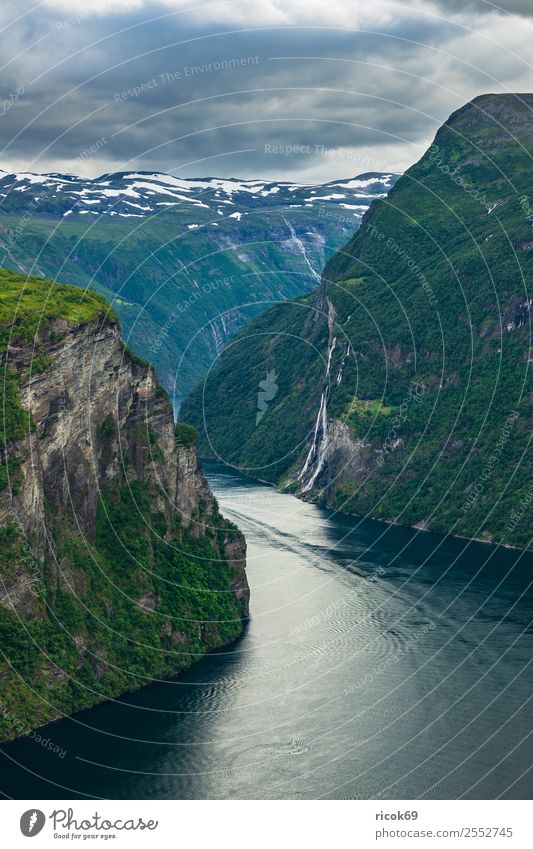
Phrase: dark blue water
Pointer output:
(379, 662)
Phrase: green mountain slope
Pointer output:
(116, 567)
(184, 262)
(401, 389)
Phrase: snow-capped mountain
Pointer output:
(185, 262)
(136, 194)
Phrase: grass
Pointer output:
(26, 306)
(371, 408)
(27, 302)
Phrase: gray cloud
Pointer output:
(146, 89)
(515, 7)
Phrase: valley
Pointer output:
(403, 382)
(185, 263)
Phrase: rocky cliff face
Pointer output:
(183, 305)
(404, 386)
(117, 566)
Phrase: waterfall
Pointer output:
(217, 337)
(301, 245)
(314, 462)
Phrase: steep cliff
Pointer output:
(403, 384)
(185, 262)
(115, 567)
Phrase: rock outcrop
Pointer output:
(404, 382)
(117, 566)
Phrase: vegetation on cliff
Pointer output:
(26, 304)
(188, 262)
(116, 567)
(424, 319)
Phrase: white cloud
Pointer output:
(78, 9)
(260, 13)
(373, 101)
(254, 13)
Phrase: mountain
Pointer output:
(184, 262)
(116, 567)
(401, 388)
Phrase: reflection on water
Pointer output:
(379, 662)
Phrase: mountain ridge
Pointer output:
(416, 405)
(185, 263)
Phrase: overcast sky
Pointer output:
(310, 90)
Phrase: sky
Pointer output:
(295, 90)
